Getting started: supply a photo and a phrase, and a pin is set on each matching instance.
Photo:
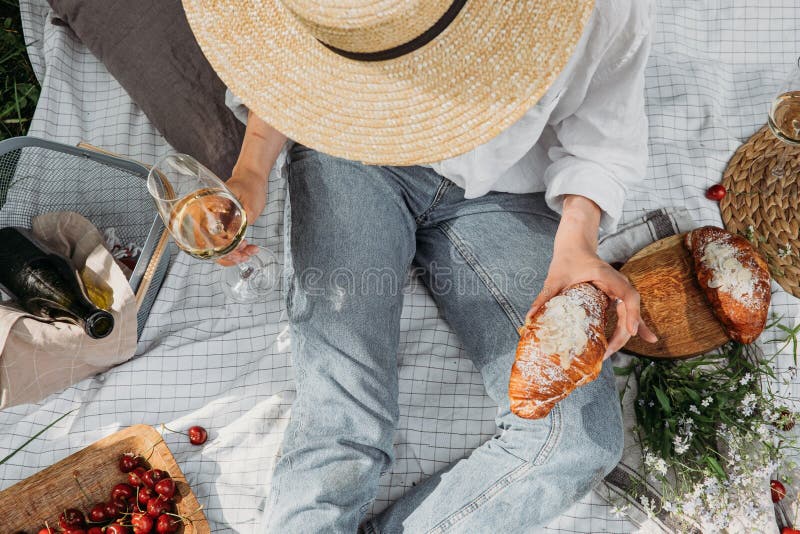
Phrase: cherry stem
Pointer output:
(187, 517)
(173, 431)
(138, 507)
(152, 449)
(80, 487)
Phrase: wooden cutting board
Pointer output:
(673, 305)
(26, 505)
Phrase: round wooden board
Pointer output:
(673, 304)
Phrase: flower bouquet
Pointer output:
(713, 431)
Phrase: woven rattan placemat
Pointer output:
(765, 207)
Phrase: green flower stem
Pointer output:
(42, 431)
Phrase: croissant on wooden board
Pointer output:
(735, 279)
(560, 348)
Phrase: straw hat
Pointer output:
(394, 82)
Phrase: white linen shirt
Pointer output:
(586, 136)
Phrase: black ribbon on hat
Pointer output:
(406, 48)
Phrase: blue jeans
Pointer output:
(355, 232)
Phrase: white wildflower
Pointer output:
(620, 510)
(655, 463)
(647, 505)
(748, 404)
(681, 444)
(706, 402)
(693, 409)
(746, 379)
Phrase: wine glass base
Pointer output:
(253, 280)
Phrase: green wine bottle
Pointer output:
(46, 284)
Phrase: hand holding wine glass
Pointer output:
(207, 221)
(251, 191)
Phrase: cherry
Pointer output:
(197, 435)
(777, 490)
(166, 524)
(716, 192)
(129, 461)
(95, 530)
(76, 530)
(122, 492)
(46, 530)
(141, 523)
(145, 494)
(151, 477)
(98, 513)
(165, 488)
(116, 528)
(114, 509)
(135, 476)
(71, 518)
(157, 506)
(789, 530)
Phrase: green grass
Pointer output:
(19, 90)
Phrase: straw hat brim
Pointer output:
(478, 77)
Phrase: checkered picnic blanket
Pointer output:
(714, 67)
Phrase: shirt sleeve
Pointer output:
(238, 108)
(602, 146)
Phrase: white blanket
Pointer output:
(714, 67)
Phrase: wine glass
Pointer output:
(784, 116)
(207, 221)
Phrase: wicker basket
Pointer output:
(38, 176)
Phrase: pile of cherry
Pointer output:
(143, 505)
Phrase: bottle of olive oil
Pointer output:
(46, 284)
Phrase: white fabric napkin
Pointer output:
(38, 357)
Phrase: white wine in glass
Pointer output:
(208, 224)
(784, 116)
(207, 221)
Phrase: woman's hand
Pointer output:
(251, 190)
(575, 260)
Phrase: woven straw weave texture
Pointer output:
(765, 204)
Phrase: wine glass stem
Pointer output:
(780, 165)
(245, 270)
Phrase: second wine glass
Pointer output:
(207, 221)
(784, 116)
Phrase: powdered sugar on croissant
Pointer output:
(560, 349)
(735, 279)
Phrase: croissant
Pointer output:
(734, 278)
(560, 348)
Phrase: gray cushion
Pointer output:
(148, 47)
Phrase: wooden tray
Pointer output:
(42, 497)
(673, 304)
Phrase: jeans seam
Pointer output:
(437, 199)
(510, 478)
(552, 438)
(480, 271)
